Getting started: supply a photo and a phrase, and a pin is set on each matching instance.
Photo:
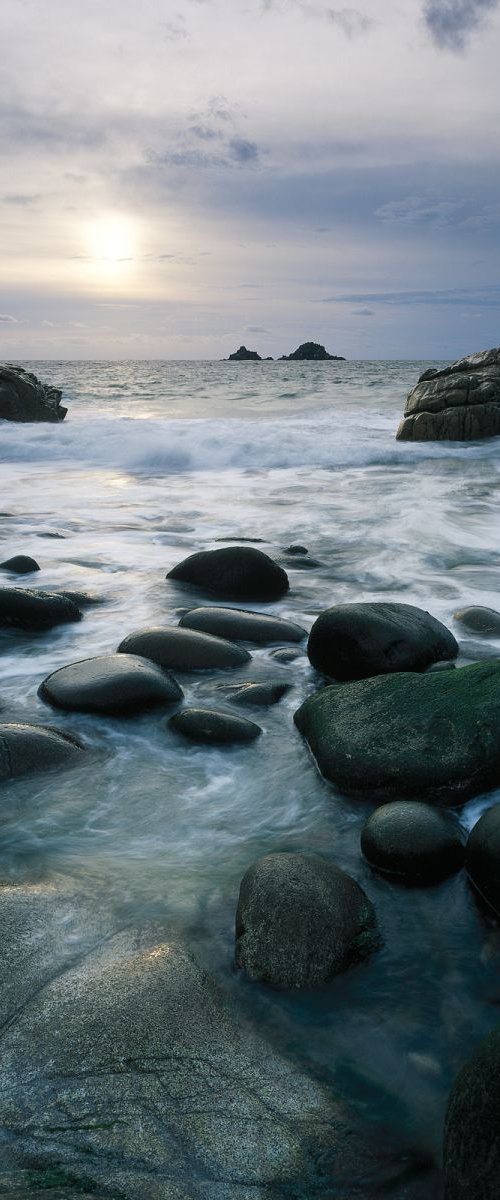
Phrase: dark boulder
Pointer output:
(21, 564)
(247, 626)
(471, 1141)
(434, 736)
(286, 655)
(479, 620)
(311, 352)
(213, 727)
(25, 608)
(413, 842)
(244, 355)
(24, 398)
(236, 572)
(184, 649)
(300, 550)
(482, 857)
(459, 403)
(115, 684)
(27, 748)
(300, 921)
(259, 693)
(354, 641)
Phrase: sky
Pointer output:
(177, 179)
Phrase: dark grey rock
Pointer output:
(27, 748)
(21, 564)
(413, 842)
(311, 352)
(244, 355)
(24, 398)
(432, 736)
(354, 641)
(213, 727)
(300, 921)
(442, 666)
(260, 628)
(296, 550)
(459, 403)
(184, 649)
(479, 620)
(25, 608)
(236, 572)
(83, 599)
(482, 858)
(260, 693)
(286, 655)
(471, 1141)
(115, 684)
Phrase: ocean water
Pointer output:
(157, 460)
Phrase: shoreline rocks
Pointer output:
(113, 684)
(471, 1141)
(236, 572)
(25, 608)
(181, 649)
(20, 564)
(239, 623)
(482, 859)
(461, 402)
(25, 398)
(354, 641)
(212, 727)
(28, 748)
(410, 842)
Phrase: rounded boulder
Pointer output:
(212, 727)
(25, 608)
(21, 564)
(243, 625)
(482, 858)
(184, 649)
(114, 684)
(477, 619)
(301, 920)
(471, 1141)
(27, 748)
(413, 842)
(355, 641)
(236, 572)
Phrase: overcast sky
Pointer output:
(179, 178)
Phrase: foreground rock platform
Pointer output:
(114, 684)
(236, 572)
(458, 403)
(434, 736)
(354, 641)
(24, 398)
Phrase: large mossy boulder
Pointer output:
(434, 736)
(235, 572)
(113, 684)
(24, 398)
(483, 857)
(311, 352)
(354, 641)
(26, 608)
(184, 649)
(461, 402)
(472, 1127)
(260, 628)
(301, 920)
(28, 748)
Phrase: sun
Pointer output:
(111, 240)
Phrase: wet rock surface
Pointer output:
(478, 619)
(236, 572)
(116, 684)
(20, 564)
(28, 748)
(259, 693)
(434, 736)
(471, 1142)
(211, 726)
(261, 628)
(483, 857)
(301, 920)
(413, 842)
(458, 403)
(23, 397)
(354, 641)
(184, 649)
(25, 608)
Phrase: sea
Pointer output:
(154, 461)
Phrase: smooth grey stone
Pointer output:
(413, 842)
(461, 402)
(296, 550)
(260, 628)
(214, 727)
(25, 608)
(471, 1141)
(236, 572)
(115, 684)
(21, 564)
(354, 641)
(286, 656)
(301, 920)
(482, 858)
(82, 599)
(27, 748)
(259, 693)
(184, 649)
(24, 398)
(479, 620)
(432, 736)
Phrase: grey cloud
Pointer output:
(23, 126)
(350, 20)
(482, 297)
(243, 151)
(418, 210)
(7, 319)
(20, 199)
(450, 22)
(363, 312)
(212, 139)
(175, 30)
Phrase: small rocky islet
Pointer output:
(387, 722)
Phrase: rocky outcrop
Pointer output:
(237, 573)
(434, 736)
(471, 1141)
(24, 398)
(459, 403)
(311, 352)
(115, 684)
(413, 842)
(300, 921)
(244, 355)
(353, 641)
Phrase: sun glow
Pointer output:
(111, 243)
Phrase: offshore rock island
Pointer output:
(306, 352)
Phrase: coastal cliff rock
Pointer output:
(459, 403)
(312, 352)
(244, 355)
(24, 398)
